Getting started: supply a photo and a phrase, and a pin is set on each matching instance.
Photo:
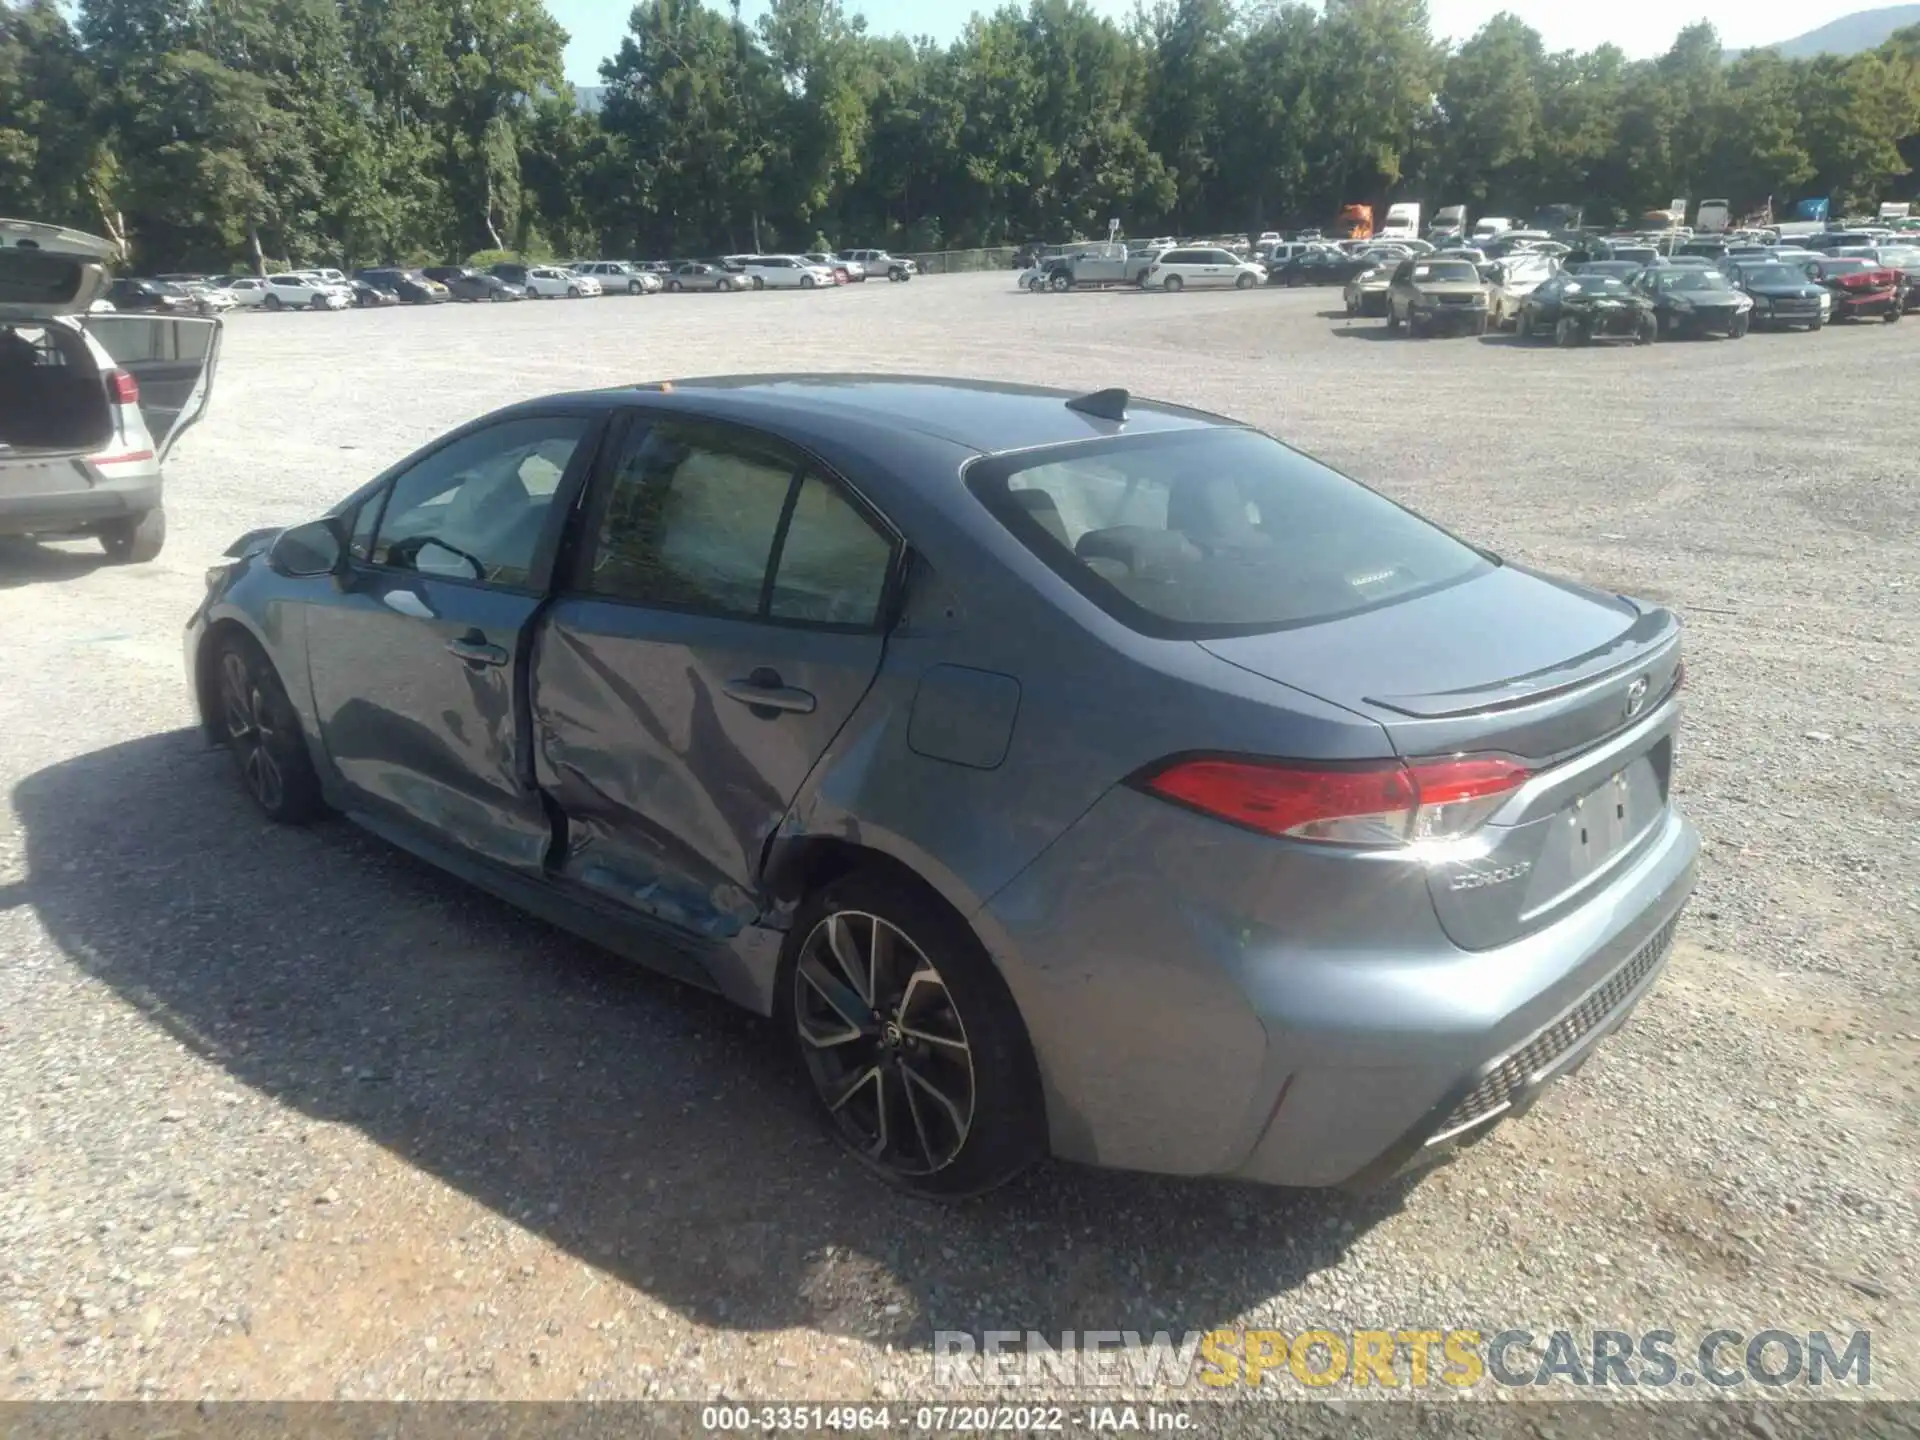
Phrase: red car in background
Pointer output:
(1860, 287)
(1905, 259)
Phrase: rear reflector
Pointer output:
(122, 388)
(125, 459)
(1385, 803)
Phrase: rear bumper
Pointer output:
(1196, 1008)
(50, 497)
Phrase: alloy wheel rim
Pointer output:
(250, 731)
(884, 1043)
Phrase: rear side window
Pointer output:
(1216, 532)
(708, 517)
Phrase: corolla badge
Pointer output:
(1636, 696)
(1481, 879)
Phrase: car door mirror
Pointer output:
(316, 548)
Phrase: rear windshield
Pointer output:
(1216, 532)
(30, 278)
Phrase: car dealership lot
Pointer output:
(286, 1114)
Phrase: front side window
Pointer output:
(1216, 532)
(707, 517)
(476, 509)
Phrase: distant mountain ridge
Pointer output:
(1849, 35)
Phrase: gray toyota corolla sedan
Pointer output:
(1060, 774)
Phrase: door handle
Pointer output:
(474, 648)
(763, 690)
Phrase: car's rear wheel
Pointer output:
(1175, 283)
(262, 733)
(913, 1046)
(135, 539)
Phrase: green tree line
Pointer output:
(222, 132)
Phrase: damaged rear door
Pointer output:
(725, 616)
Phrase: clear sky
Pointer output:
(1640, 27)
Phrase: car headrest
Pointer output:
(1045, 510)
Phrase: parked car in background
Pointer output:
(211, 299)
(1861, 289)
(705, 275)
(1690, 302)
(878, 262)
(1488, 226)
(1201, 268)
(1432, 295)
(248, 291)
(1095, 264)
(1324, 267)
(463, 282)
(1327, 843)
(302, 292)
(1903, 259)
(410, 287)
(133, 295)
(785, 272)
(547, 281)
(1579, 308)
(844, 271)
(91, 403)
(1782, 295)
(611, 277)
(1366, 293)
(370, 297)
(1510, 281)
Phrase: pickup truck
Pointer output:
(1095, 264)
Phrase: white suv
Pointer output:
(90, 404)
(302, 292)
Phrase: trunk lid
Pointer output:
(1576, 683)
(48, 270)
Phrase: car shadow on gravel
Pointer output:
(647, 1128)
(23, 562)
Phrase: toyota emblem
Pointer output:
(1636, 696)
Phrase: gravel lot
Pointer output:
(285, 1114)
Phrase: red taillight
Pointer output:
(1388, 803)
(122, 388)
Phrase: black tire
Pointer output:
(1060, 282)
(134, 539)
(573, 292)
(1737, 327)
(673, 285)
(1817, 323)
(1245, 282)
(1294, 281)
(759, 282)
(258, 726)
(807, 282)
(1037, 285)
(1645, 332)
(272, 302)
(1480, 325)
(1892, 315)
(1416, 327)
(1174, 284)
(1566, 334)
(1523, 324)
(962, 1022)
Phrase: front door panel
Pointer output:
(414, 681)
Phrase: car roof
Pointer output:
(981, 415)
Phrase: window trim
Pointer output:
(544, 568)
(986, 477)
(573, 581)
